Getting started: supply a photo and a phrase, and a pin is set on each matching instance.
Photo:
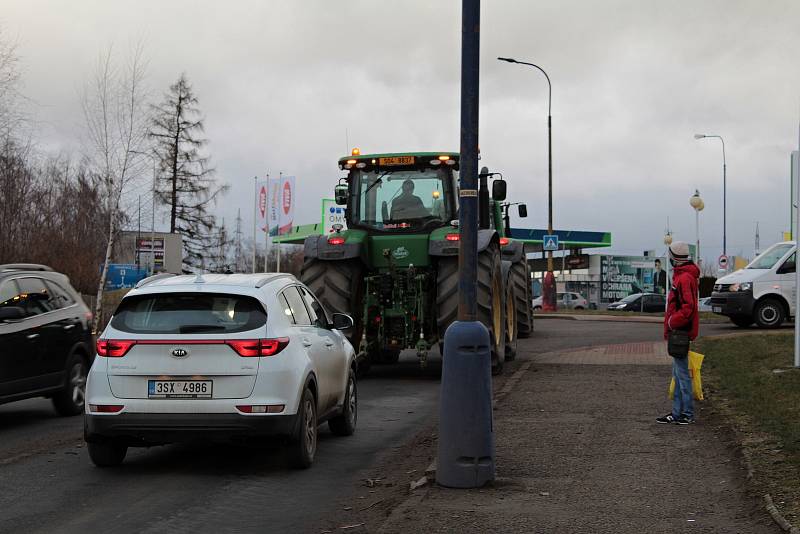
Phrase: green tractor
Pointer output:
(395, 268)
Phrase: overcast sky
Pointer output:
(280, 82)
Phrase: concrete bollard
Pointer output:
(465, 456)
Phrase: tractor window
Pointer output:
(403, 200)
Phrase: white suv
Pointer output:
(222, 358)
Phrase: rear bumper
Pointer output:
(149, 429)
(733, 304)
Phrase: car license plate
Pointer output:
(396, 160)
(179, 389)
(717, 309)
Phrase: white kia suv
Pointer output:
(215, 357)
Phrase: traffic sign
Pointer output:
(723, 262)
(550, 242)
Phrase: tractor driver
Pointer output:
(408, 205)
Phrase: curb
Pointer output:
(601, 318)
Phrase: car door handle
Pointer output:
(328, 343)
(69, 327)
(32, 336)
(307, 343)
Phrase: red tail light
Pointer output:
(250, 348)
(113, 348)
(452, 237)
(504, 241)
(106, 408)
(336, 240)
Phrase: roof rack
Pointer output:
(265, 280)
(24, 267)
(145, 281)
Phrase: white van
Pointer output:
(763, 292)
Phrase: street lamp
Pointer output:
(697, 203)
(549, 286)
(724, 190)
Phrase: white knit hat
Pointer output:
(679, 252)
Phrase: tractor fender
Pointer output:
(442, 247)
(317, 246)
(514, 251)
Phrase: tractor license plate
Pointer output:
(179, 389)
(396, 160)
(717, 309)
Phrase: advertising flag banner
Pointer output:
(262, 194)
(332, 214)
(286, 205)
(274, 210)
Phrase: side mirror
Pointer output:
(499, 189)
(523, 211)
(342, 321)
(340, 194)
(11, 313)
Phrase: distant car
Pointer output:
(640, 302)
(220, 358)
(705, 304)
(568, 300)
(46, 343)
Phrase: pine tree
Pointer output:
(186, 181)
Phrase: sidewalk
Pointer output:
(578, 450)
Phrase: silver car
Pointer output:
(567, 300)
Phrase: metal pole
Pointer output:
(255, 200)
(465, 455)
(697, 235)
(724, 203)
(153, 227)
(138, 235)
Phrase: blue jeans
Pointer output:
(682, 401)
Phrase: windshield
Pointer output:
(403, 199)
(188, 313)
(770, 257)
(631, 298)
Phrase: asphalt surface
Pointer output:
(48, 484)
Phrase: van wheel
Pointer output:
(105, 454)
(742, 321)
(303, 446)
(70, 400)
(769, 313)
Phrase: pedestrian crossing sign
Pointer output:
(550, 242)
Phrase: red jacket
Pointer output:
(684, 292)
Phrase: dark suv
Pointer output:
(46, 344)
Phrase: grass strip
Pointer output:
(752, 378)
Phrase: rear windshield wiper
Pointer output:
(189, 328)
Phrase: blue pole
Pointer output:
(465, 456)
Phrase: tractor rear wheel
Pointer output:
(521, 280)
(490, 297)
(339, 286)
(510, 303)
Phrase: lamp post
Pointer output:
(549, 286)
(724, 190)
(697, 203)
(667, 242)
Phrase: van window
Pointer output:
(789, 265)
(771, 256)
(189, 313)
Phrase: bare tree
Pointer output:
(116, 125)
(187, 183)
(10, 114)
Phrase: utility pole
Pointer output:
(239, 241)
(465, 456)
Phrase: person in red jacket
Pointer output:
(682, 314)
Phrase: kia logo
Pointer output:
(180, 353)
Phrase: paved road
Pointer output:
(48, 484)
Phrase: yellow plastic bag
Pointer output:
(695, 363)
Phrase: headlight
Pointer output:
(744, 286)
(621, 306)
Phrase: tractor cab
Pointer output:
(400, 193)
